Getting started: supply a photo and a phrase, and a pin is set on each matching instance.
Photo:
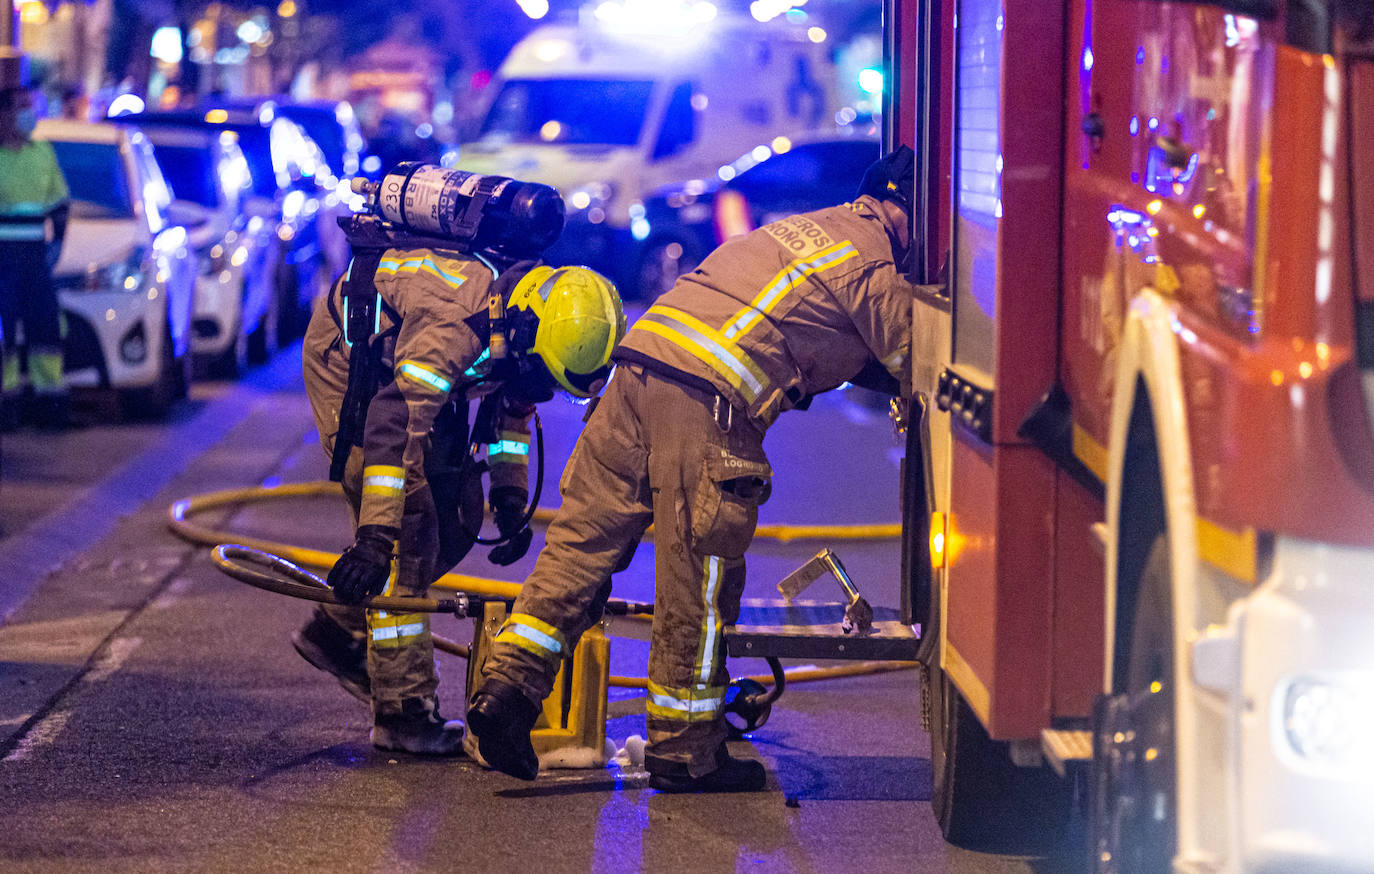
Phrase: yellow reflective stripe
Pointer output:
(45, 371)
(11, 378)
(698, 704)
(787, 279)
(384, 479)
(534, 635)
(396, 629)
(516, 436)
(708, 346)
(425, 376)
(418, 265)
(711, 627)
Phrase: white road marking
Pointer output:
(41, 735)
(49, 727)
(112, 659)
(172, 594)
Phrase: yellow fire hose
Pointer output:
(285, 558)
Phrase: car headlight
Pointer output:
(1324, 719)
(131, 274)
(593, 196)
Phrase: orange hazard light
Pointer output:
(937, 540)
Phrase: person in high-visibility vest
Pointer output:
(787, 311)
(414, 489)
(33, 198)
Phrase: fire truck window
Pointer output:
(679, 123)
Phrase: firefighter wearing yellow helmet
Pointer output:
(790, 310)
(580, 320)
(445, 328)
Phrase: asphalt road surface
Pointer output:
(154, 717)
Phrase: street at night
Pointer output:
(687, 435)
(156, 717)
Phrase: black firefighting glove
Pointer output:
(361, 572)
(508, 505)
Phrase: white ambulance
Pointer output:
(619, 104)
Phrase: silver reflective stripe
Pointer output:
(425, 375)
(536, 636)
(708, 646)
(719, 352)
(22, 232)
(386, 482)
(395, 632)
(702, 705)
(784, 283)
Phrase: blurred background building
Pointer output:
(427, 65)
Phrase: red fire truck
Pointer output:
(1139, 491)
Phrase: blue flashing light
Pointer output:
(871, 81)
(1087, 59)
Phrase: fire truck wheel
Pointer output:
(1133, 811)
(981, 798)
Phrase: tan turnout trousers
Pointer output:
(652, 451)
(401, 666)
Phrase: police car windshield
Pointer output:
(608, 112)
(96, 178)
(190, 172)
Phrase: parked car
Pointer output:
(333, 126)
(235, 313)
(684, 222)
(126, 275)
(283, 162)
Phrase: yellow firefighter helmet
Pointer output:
(580, 321)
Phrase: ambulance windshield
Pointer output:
(604, 112)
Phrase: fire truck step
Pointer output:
(1066, 747)
(812, 630)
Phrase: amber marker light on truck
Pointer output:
(937, 540)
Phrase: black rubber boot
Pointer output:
(333, 650)
(730, 775)
(422, 734)
(502, 718)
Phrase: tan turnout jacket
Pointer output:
(772, 318)
(433, 321)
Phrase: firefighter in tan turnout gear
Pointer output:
(413, 485)
(792, 309)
